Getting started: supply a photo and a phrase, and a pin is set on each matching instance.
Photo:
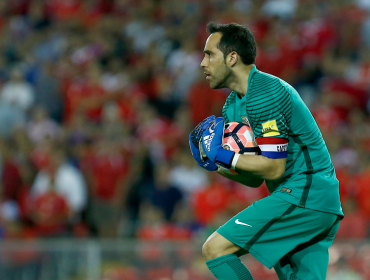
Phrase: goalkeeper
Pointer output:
(292, 229)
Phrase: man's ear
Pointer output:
(232, 58)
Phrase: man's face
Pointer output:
(213, 63)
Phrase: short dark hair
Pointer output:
(235, 37)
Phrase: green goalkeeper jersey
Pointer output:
(284, 127)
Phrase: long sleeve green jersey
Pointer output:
(285, 128)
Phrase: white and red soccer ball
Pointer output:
(239, 138)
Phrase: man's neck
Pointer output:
(239, 84)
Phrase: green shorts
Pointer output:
(293, 240)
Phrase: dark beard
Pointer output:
(225, 80)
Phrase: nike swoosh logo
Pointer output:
(240, 223)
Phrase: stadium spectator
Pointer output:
(9, 173)
(204, 101)
(162, 194)
(186, 175)
(48, 91)
(106, 193)
(356, 225)
(50, 212)
(17, 92)
(85, 96)
(68, 183)
(362, 181)
(184, 64)
(144, 32)
(41, 126)
(154, 226)
(9, 216)
(358, 72)
(211, 200)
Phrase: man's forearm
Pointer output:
(260, 166)
(242, 178)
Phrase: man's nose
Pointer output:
(203, 63)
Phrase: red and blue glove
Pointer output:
(195, 138)
(212, 145)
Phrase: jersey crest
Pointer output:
(245, 120)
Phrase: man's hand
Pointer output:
(195, 138)
(212, 144)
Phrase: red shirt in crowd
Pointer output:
(63, 9)
(204, 101)
(354, 225)
(10, 180)
(363, 192)
(211, 201)
(85, 98)
(108, 172)
(345, 96)
(51, 213)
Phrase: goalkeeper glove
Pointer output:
(195, 140)
(212, 145)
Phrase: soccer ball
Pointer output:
(239, 138)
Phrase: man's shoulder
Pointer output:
(260, 76)
(265, 85)
(268, 90)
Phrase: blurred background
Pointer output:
(97, 98)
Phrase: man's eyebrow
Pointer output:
(208, 52)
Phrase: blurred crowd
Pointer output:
(97, 98)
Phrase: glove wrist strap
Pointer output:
(225, 158)
(235, 160)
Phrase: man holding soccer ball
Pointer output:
(292, 229)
